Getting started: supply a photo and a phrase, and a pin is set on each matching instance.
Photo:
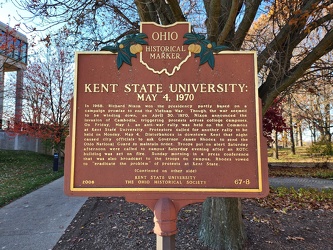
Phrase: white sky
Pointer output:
(8, 13)
(5, 10)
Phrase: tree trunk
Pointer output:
(300, 135)
(291, 125)
(276, 151)
(296, 135)
(221, 224)
(328, 135)
(292, 139)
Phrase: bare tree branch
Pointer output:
(251, 8)
(215, 11)
(229, 23)
(282, 36)
(269, 91)
(143, 11)
(176, 10)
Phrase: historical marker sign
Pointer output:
(175, 121)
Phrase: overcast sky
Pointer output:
(8, 13)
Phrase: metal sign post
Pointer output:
(165, 218)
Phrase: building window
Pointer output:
(11, 44)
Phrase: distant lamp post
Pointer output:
(13, 57)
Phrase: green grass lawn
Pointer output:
(22, 172)
(303, 154)
(322, 172)
(302, 164)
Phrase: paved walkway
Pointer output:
(301, 182)
(37, 220)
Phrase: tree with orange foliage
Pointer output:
(47, 92)
(273, 121)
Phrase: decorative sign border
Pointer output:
(122, 190)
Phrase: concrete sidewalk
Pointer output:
(37, 220)
(297, 182)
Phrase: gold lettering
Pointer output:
(165, 36)
(100, 88)
(143, 88)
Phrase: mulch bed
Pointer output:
(113, 223)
